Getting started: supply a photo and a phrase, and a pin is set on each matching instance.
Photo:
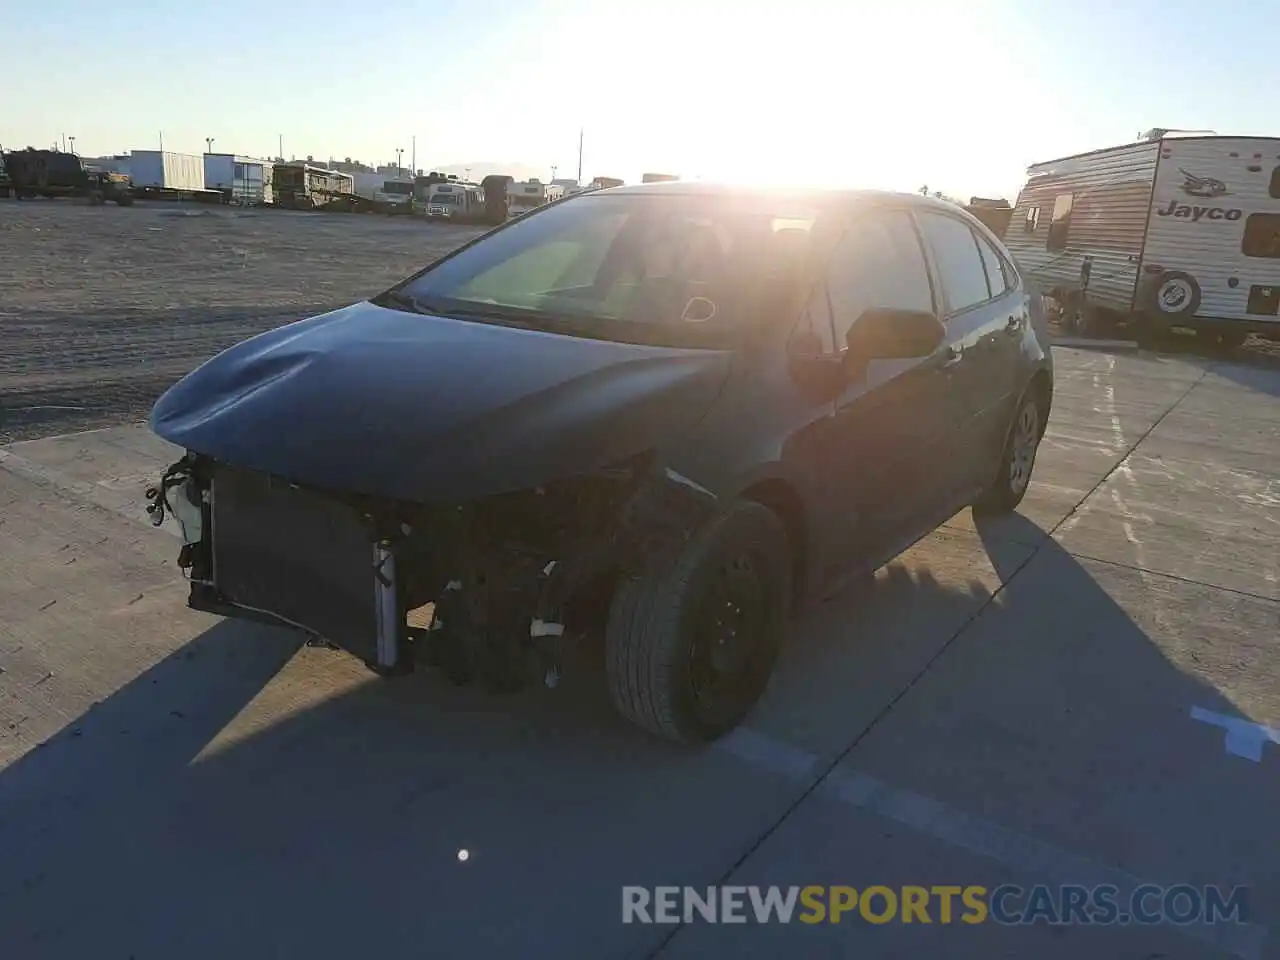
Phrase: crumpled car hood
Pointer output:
(423, 408)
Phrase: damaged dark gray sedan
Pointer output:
(662, 418)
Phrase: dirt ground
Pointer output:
(102, 308)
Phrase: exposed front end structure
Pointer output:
(501, 576)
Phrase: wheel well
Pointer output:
(781, 498)
(1042, 389)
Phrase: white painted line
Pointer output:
(935, 819)
(1083, 343)
(773, 755)
(78, 433)
(1244, 737)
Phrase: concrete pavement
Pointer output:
(1042, 699)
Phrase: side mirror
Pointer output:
(884, 333)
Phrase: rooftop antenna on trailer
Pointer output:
(1159, 133)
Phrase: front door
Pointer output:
(892, 422)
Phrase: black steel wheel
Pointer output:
(690, 645)
(1017, 459)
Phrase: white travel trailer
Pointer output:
(526, 196)
(1171, 231)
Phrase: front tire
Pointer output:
(1017, 459)
(691, 643)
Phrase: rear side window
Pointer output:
(1060, 225)
(997, 280)
(1275, 184)
(964, 278)
(1262, 236)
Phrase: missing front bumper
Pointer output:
(275, 552)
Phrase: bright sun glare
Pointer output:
(814, 94)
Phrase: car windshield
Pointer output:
(668, 270)
(444, 198)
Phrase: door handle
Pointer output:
(950, 357)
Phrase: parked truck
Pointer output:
(53, 173)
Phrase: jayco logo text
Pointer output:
(1184, 211)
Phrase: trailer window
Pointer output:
(1060, 224)
(1275, 184)
(1262, 236)
(1033, 220)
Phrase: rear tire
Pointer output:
(1017, 459)
(690, 644)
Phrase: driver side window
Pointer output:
(877, 263)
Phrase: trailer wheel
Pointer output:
(690, 644)
(95, 198)
(1172, 296)
(125, 199)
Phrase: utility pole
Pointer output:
(64, 143)
(162, 141)
(580, 133)
(280, 148)
(413, 163)
(399, 166)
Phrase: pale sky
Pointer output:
(961, 96)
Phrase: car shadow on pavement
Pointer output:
(333, 821)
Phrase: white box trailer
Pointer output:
(1171, 232)
(367, 185)
(163, 170)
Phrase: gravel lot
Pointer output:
(102, 308)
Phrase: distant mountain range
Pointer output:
(484, 168)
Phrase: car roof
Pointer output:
(815, 195)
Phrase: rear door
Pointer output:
(985, 321)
